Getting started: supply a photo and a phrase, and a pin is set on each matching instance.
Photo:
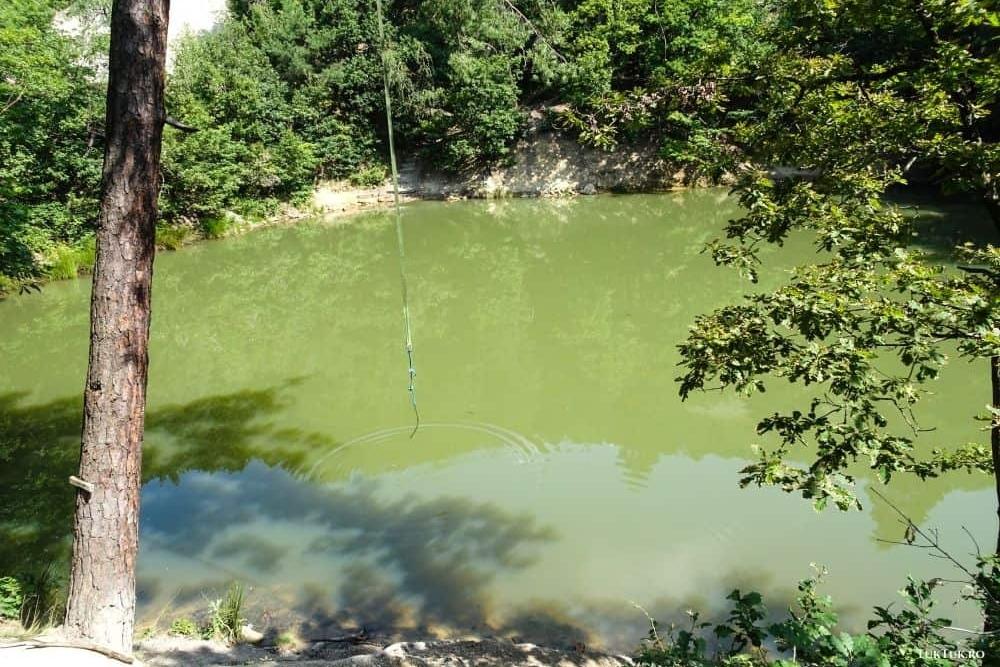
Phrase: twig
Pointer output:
(979, 552)
(114, 655)
(971, 632)
(906, 544)
(352, 638)
(652, 623)
(534, 29)
(10, 104)
(931, 543)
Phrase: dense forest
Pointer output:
(285, 93)
(818, 112)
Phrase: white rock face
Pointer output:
(194, 16)
(546, 163)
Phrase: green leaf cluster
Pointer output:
(809, 635)
(51, 119)
(874, 95)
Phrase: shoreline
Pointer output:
(330, 201)
(166, 650)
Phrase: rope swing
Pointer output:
(407, 329)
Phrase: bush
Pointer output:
(483, 118)
(49, 170)
(68, 261)
(172, 237)
(215, 227)
(226, 620)
(809, 634)
(183, 627)
(203, 173)
(11, 597)
(369, 176)
(44, 599)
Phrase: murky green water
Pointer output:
(556, 478)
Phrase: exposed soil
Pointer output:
(181, 652)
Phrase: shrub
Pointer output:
(809, 634)
(483, 118)
(68, 261)
(203, 173)
(215, 227)
(183, 627)
(171, 237)
(44, 599)
(11, 597)
(226, 620)
(369, 176)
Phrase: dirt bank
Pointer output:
(180, 652)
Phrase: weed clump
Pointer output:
(226, 619)
(183, 627)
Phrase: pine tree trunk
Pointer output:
(101, 605)
(992, 624)
(995, 435)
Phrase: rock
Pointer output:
(485, 653)
(588, 189)
(250, 636)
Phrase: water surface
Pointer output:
(556, 478)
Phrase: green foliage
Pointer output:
(44, 599)
(50, 118)
(876, 92)
(215, 227)
(65, 261)
(11, 597)
(226, 619)
(369, 176)
(31, 599)
(676, 70)
(183, 627)
(809, 636)
(172, 238)
(245, 149)
(285, 92)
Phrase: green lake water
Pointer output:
(556, 478)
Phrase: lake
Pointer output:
(556, 479)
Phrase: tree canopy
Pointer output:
(285, 92)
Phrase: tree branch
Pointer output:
(176, 124)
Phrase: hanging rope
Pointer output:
(407, 329)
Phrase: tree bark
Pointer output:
(101, 605)
(992, 621)
(992, 199)
(995, 435)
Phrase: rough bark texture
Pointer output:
(101, 605)
(995, 434)
(992, 622)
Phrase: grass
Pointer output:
(173, 237)
(183, 627)
(150, 628)
(11, 597)
(226, 620)
(288, 641)
(30, 604)
(215, 227)
(69, 261)
(369, 176)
